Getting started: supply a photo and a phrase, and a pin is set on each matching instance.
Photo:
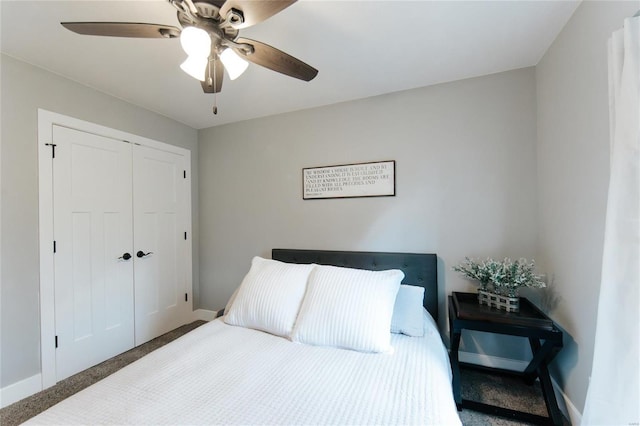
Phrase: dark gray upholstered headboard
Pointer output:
(419, 269)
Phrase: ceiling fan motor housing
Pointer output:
(211, 20)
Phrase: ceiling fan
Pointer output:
(209, 36)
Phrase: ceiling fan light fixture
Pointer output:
(233, 63)
(195, 42)
(195, 66)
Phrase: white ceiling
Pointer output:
(361, 48)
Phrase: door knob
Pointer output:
(125, 256)
(143, 254)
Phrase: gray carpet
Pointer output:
(502, 391)
(498, 390)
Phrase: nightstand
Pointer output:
(544, 337)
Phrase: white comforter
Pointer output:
(220, 374)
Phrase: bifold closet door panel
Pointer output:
(94, 305)
(160, 224)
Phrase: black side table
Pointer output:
(530, 322)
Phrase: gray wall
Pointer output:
(573, 176)
(466, 182)
(25, 89)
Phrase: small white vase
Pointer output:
(506, 303)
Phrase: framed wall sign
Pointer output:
(350, 180)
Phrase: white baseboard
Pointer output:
(20, 390)
(204, 315)
(568, 409)
(564, 403)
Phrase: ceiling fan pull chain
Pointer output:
(215, 82)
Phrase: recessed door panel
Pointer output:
(82, 279)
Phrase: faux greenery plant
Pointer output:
(501, 277)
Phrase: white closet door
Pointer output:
(92, 230)
(160, 224)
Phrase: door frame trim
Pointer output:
(46, 121)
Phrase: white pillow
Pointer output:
(407, 311)
(348, 308)
(269, 297)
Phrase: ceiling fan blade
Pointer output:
(122, 29)
(254, 11)
(213, 76)
(276, 60)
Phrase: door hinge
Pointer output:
(186, 297)
(53, 149)
(185, 235)
(54, 246)
(56, 342)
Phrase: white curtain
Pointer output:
(613, 397)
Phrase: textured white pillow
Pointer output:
(269, 297)
(407, 311)
(348, 308)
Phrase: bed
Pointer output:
(307, 362)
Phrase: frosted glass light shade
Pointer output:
(233, 63)
(197, 45)
(195, 66)
(195, 42)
